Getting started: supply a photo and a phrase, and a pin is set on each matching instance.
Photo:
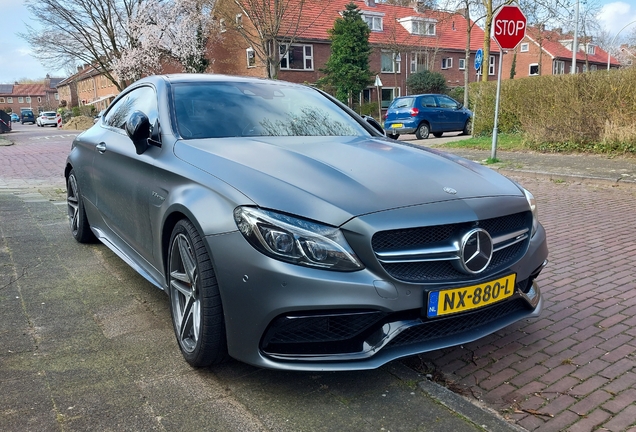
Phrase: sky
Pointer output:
(16, 62)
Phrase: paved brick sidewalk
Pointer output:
(573, 369)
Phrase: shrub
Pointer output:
(426, 82)
(592, 112)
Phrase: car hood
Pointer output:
(333, 179)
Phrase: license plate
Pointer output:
(397, 125)
(456, 300)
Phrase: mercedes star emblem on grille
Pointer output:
(476, 251)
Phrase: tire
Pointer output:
(438, 134)
(195, 301)
(466, 130)
(78, 221)
(422, 131)
(393, 136)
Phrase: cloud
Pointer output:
(615, 16)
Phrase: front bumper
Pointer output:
(284, 316)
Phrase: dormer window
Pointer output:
(373, 20)
(418, 25)
(591, 49)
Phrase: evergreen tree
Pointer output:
(347, 69)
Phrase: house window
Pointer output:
(374, 22)
(462, 64)
(251, 57)
(424, 28)
(447, 63)
(593, 67)
(391, 62)
(222, 26)
(388, 94)
(239, 20)
(20, 99)
(1, 100)
(9, 100)
(365, 95)
(40, 99)
(419, 62)
(28, 99)
(591, 49)
(534, 69)
(297, 57)
(525, 47)
(559, 67)
(491, 65)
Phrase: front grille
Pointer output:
(421, 270)
(456, 324)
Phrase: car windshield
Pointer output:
(235, 109)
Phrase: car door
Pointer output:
(430, 111)
(122, 179)
(453, 115)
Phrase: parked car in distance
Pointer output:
(47, 118)
(289, 233)
(26, 116)
(425, 114)
(15, 118)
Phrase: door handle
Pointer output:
(101, 147)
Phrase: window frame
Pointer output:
(524, 47)
(419, 25)
(461, 64)
(20, 99)
(2, 100)
(393, 90)
(558, 68)
(447, 63)
(9, 99)
(370, 21)
(530, 66)
(395, 59)
(252, 58)
(491, 65)
(306, 57)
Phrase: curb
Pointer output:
(481, 416)
(4, 142)
(570, 177)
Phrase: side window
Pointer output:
(428, 102)
(141, 99)
(446, 102)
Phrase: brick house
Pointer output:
(38, 97)
(404, 40)
(549, 52)
(627, 55)
(87, 87)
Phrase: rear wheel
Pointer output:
(422, 131)
(195, 301)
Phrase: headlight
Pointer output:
(533, 208)
(295, 240)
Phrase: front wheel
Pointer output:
(422, 131)
(80, 227)
(195, 301)
(466, 130)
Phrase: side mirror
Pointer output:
(138, 129)
(373, 122)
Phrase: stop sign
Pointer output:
(510, 26)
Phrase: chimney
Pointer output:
(370, 3)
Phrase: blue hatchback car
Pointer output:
(425, 114)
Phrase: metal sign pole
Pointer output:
(493, 153)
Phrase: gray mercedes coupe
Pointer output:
(290, 233)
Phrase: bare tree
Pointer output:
(80, 31)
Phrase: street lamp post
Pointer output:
(612, 42)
